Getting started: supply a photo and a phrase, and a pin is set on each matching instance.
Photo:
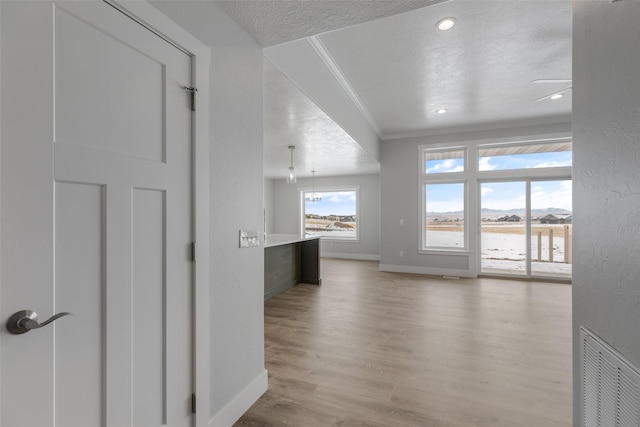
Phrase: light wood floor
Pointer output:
(377, 349)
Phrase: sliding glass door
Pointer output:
(551, 215)
(503, 228)
(525, 228)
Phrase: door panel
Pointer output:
(110, 170)
(148, 301)
(27, 204)
(551, 229)
(79, 289)
(503, 228)
(135, 123)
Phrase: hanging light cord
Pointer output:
(291, 176)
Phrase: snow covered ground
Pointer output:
(333, 233)
(505, 253)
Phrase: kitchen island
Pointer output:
(289, 260)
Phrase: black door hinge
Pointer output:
(193, 403)
(193, 251)
(192, 91)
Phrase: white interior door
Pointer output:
(96, 182)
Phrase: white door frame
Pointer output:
(151, 18)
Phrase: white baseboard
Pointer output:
(425, 270)
(362, 257)
(233, 410)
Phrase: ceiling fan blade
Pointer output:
(554, 93)
(551, 81)
(543, 98)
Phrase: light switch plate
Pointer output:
(249, 238)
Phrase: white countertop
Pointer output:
(285, 239)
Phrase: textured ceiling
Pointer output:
(273, 22)
(403, 68)
(291, 118)
(399, 69)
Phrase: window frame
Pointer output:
(425, 178)
(329, 189)
(544, 171)
(465, 240)
(471, 255)
(445, 150)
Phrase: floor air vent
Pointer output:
(610, 385)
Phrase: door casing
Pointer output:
(151, 18)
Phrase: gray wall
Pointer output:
(606, 183)
(268, 205)
(286, 213)
(237, 332)
(400, 200)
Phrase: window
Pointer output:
(332, 214)
(443, 184)
(444, 215)
(524, 156)
(444, 161)
(504, 204)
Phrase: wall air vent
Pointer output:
(610, 385)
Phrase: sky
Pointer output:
(503, 195)
(512, 195)
(445, 197)
(517, 161)
(525, 161)
(450, 197)
(333, 203)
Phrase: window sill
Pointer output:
(334, 240)
(445, 251)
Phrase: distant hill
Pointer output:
(534, 212)
(501, 212)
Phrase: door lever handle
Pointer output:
(26, 320)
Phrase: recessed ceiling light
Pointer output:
(441, 111)
(556, 96)
(446, 23)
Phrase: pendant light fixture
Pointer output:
(313, 197)
(291, 175)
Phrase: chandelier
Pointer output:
(313, 196)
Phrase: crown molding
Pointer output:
(328, 60)
(548, 121)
